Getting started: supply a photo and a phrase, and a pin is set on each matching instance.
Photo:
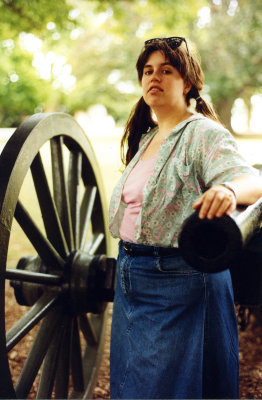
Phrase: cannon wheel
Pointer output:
(70, 322)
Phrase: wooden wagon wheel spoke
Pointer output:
(34, 277)
(48, 209)
(88, 330)
(94, 243)
(65, 286)
(91, 354)
(62, 372)
(60, 190)
(76, 359)
(44, 248)
(74, 177)
(37, 354)
(29, 320)
(47, 377)
(87, 207)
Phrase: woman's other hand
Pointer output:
(220, 200)
(215, 202)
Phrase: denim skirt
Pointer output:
(174, 331)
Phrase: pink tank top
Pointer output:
(132, 196)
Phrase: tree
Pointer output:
(231, 49)
(22, 89)
(111, 36)
(31, 16)
(100, 40)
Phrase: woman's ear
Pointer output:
(187, 87)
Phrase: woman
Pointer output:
(174, 330)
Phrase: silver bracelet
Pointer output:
(229, 186)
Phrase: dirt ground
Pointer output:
(250, 353)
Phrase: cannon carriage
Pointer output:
(64, 285)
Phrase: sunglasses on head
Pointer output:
(173, 42)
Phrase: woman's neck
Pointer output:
(167, 121)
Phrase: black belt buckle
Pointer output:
(128, 249)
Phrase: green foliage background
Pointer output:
(100, 41)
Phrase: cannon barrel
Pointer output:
(213, 245)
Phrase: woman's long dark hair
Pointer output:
(140, 119)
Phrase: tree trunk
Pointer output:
(249, 113)
(223, 108)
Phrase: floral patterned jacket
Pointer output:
(197, 154)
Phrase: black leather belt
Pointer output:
(153, 251)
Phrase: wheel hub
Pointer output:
(91, 282)
(87, 285)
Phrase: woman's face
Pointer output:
(162, 84)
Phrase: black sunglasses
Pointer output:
(173, 42)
